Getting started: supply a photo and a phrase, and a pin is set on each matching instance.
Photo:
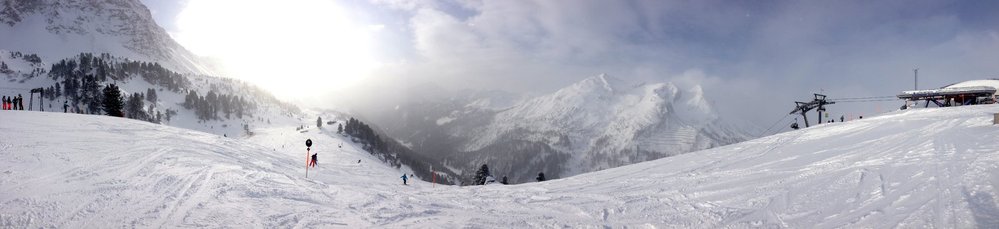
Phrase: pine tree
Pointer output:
(480, 176)
(319, 122)
(92, 95)
(151, 95)
(112, 100)
(339, 129)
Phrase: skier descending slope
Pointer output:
(404, 179)
(314, 159)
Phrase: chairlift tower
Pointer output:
(818, 104)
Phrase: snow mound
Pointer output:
(912, 168)
(975, 83)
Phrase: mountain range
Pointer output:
(598, 123)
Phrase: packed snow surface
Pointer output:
(914, 168)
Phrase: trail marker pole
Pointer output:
(308, 147)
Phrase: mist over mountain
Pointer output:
(598, 123)
(76, 50)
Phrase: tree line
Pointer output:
(88, 84)
(394, 153)
(209, 106)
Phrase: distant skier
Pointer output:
(65, 106)
(20, 102)
(405, 179)
(842, 119)
(794, 126)
(4, 99)
(504, 180)
(541, 177)
(359, 161)
(315, 158)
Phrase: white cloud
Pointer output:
(754, 59)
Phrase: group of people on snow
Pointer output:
(842, 118)
(314, 159)
(13, 103)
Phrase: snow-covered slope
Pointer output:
(69, 170)
(914, 168)
(263, 109)
(57, 29)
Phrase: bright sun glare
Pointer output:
(294, 48)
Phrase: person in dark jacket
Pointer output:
(65, 106)
(20, 102)
(404, 179)
(315, 158)
(541, 177)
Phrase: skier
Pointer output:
(314, 160)
(20, 102)
(841, 118)
(504, 180)
(4, 99)
(65, 106)
(541, 177)
(794, 126)
(404, 179)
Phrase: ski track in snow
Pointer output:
(917, 168)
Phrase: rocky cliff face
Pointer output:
(59, 29)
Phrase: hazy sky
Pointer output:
(753, 58)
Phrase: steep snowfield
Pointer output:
(915, 168)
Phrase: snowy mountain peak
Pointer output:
(600, 122)
(602, 83)
(57, 29)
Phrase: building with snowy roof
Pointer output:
(970, 92)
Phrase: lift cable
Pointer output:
(772, 125)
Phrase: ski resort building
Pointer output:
(964, 93)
